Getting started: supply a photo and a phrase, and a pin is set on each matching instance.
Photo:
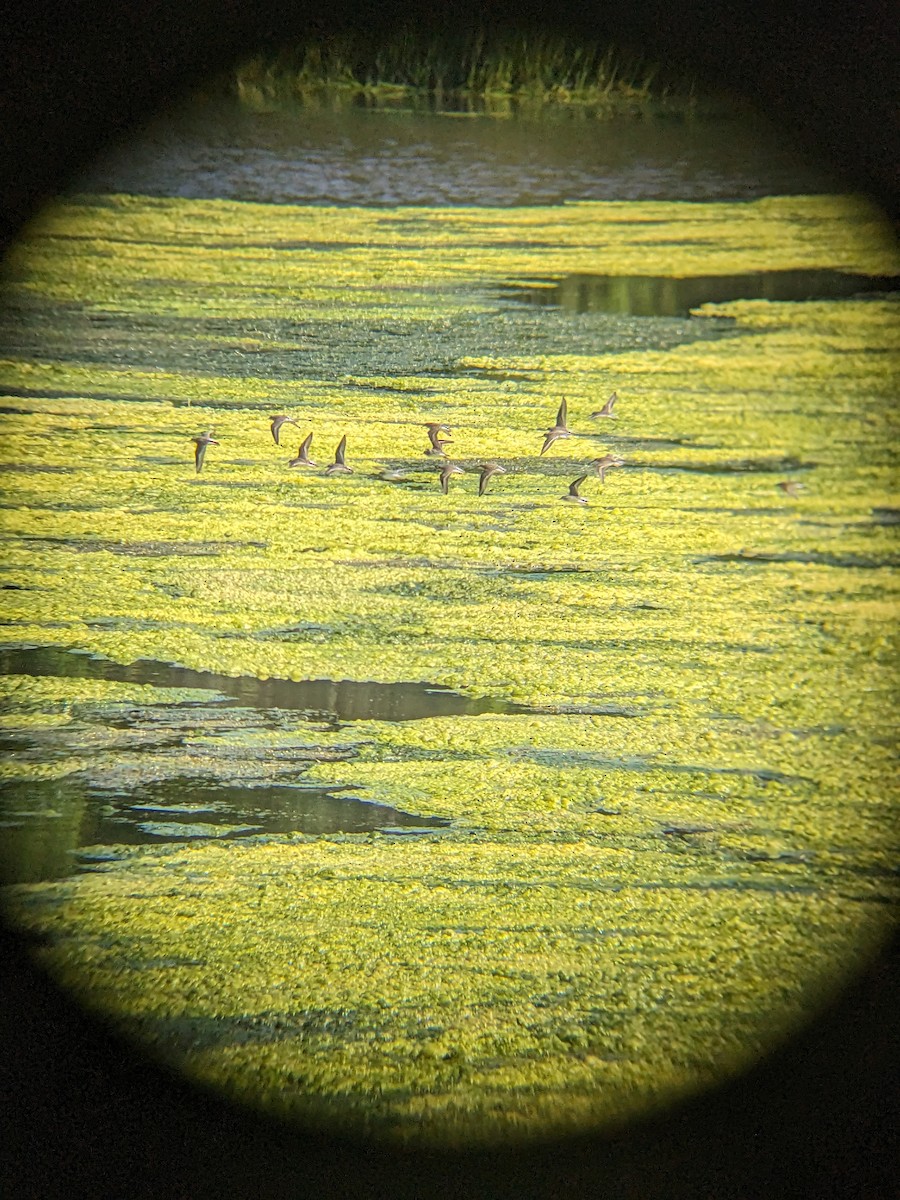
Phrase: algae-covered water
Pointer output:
(620, 771)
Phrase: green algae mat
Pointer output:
(675, 834)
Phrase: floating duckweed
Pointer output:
(646, 880)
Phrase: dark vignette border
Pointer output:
(86, 1115)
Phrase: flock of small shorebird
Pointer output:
(437, 449)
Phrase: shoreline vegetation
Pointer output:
(502, 74)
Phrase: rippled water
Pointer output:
(378, 157)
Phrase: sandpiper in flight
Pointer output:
(436, 449)
(488, 471)
(449, 469)
(572, 494)
(602, 465)
(303, 459)
(791, 487)
(200, 444)
(607, 409)
(559, 430)
(339, 467)
(276, 425)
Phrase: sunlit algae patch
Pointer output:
(647, 881)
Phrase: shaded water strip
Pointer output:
(339, 700)
(47, 824)
(671, 296)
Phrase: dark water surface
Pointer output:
(47, 824)
(51, 828)
(333, 700)
(668, 296)
(377, 157)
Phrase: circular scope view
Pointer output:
(447, 592)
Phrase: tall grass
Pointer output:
(497, 72)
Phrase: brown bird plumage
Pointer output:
(200, 444)
(559, 430)
(604, 464)
(572, 494)
(276, 425)
(303, 459)
(791, 487)
(437, 443)
(488, 471)
(339, 466)
(607, 409)
(449, 469)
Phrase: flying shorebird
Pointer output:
(449, 469)
(559, 430)
(339, 467)
(276, 425)
(607, 409)
(200, 444)
(394, 475)
(602, 465)
(791, 487)
(437, 443)
(488, 471)
(303, 459)
(572, 494)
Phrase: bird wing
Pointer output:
(199, 453)
(549, 440)
(303, 452)
(561, 415)
(576, 484)
(339, 453)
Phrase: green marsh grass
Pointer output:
(492, 71)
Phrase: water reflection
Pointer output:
(334, 700)
(666, 296)
(44, 823)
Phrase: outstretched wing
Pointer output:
(340, 452)
(561, 415)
